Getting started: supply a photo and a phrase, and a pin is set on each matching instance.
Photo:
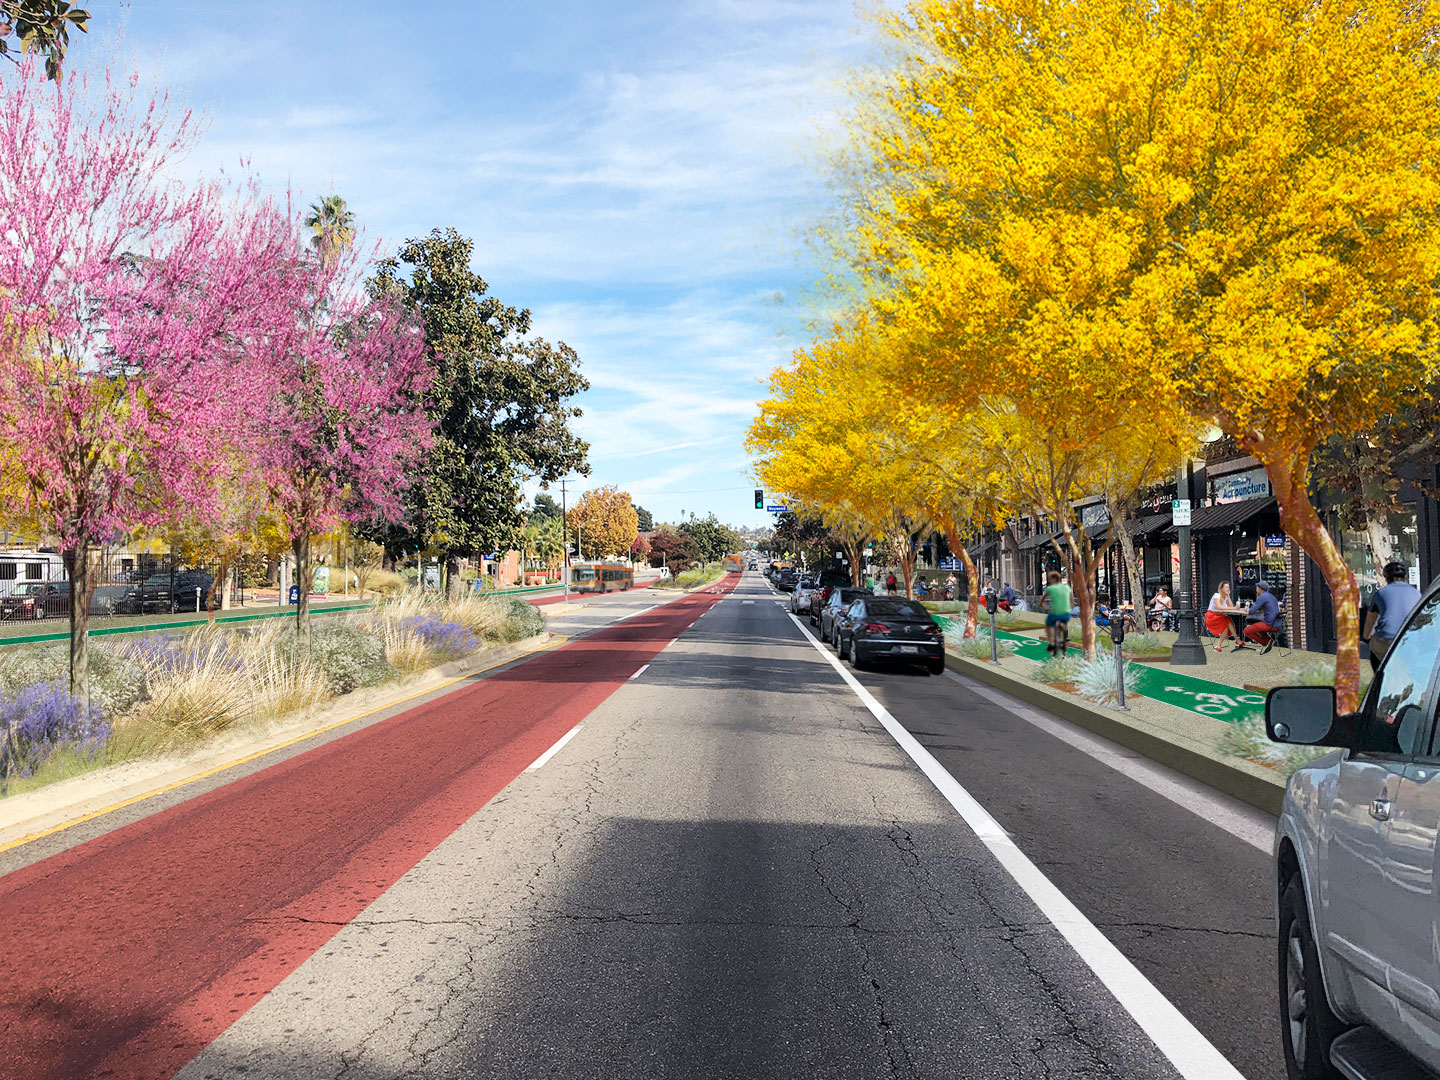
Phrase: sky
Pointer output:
(641, 175)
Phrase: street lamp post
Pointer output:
(1188, 649)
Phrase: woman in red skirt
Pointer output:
(1216, 621)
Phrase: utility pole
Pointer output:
(565, 540)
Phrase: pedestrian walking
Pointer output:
(1388, 609)
(891, 585)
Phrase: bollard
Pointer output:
(1117, 636)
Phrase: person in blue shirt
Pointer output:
(1388, 609)
(1102, 609)
(1264, 613)
(1007, 597)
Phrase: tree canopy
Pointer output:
(500, 400)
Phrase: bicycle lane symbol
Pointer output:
(1229, 707)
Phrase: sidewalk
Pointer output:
(1205, 721)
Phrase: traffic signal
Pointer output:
(759, 499)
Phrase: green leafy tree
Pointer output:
(675, 549)
(645, 518)
(545, 507)
(36, 26)
(713, 540)
(500, 402)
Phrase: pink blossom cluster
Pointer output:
(151, 329)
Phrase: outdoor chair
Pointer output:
(1280, 637)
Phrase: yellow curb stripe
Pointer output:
(92, 815)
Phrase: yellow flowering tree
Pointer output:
(1232, 207)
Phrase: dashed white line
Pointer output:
(1193, 1055)
(638, 673)
(548, 754)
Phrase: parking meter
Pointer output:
(1117, 635)
(992, 604)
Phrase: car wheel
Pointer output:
(840, 647)
(824, 637)
(1307, 1024)
(936, 667)
(855, 659)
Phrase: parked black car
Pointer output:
(838, 601)
(786, 580)
(890, 628)
(36, 600)
(154, 593)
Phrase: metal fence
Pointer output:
(35, 587)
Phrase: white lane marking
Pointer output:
(1246, 823)
(632, 614)
(638, 673)
(548, 754)
(747, 601)
(1189, 1052)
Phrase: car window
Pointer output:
(904, 609)
(1395, 720)
(857, 609)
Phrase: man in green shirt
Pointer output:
(1057, 602)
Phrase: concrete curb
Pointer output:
(1258, 791)
(53, 807)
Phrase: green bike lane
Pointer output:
(1229, 704)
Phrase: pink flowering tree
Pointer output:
(345, 421)
(130, 308)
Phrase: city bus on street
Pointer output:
(734, 564)
(601, 577)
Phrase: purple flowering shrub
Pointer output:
(169, 656)
(448, 638)
(42, 718)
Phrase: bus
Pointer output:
(734, 564)
(601, 577)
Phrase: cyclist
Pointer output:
(1056, 602)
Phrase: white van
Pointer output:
(18, 565)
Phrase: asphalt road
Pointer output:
(730, 868)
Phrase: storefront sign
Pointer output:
(1238, 487)
(1274, 540)
(1092, 517)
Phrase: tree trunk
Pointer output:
(854, 551)
(221, 589)
(905, 555)
(301, 547)
(1377, 531)
(1121, 528)
(82, 588)
(453, 584)
(972, 583)
(1083, 586)
(1289, 476)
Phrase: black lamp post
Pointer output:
(1188, 649)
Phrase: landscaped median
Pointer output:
(1212, 731)
(172, 694)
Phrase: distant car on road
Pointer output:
(838, 602)
(1356, 859)
(154, 594)
(890, 628)
(800, 598)
(786, 580)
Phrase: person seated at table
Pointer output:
(1161, 600)
(1217, 617)
(1007, 597)
(1263, 615)
(1102, 609)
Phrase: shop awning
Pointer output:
(983, 548)
(1147, 524)
(1030, 543)
(1227, 515)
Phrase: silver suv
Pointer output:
(1356, 861)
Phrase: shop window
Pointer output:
(34, 571)
(1393, 538)
(9, 571)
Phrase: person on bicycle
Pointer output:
(1057, 602)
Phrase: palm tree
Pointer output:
(333, 227)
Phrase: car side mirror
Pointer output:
(1305, 716)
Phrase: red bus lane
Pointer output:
(126, 955)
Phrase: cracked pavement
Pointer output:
(730, 872)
